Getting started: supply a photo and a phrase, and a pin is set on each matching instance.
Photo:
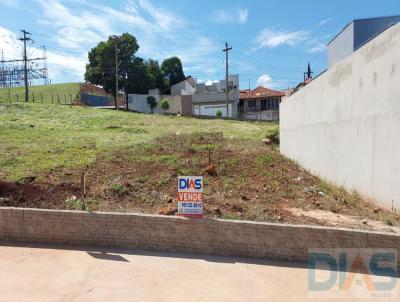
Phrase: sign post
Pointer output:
(190, 196)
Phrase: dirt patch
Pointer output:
(249, 181)
(35, 195)
(339, 220)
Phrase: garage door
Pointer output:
(211, 110)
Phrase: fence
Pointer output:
(261, 116)
(94, 96)
(96, 100)
(35, 97)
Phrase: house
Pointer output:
(209, 99)
(185, 87)
(180, 99)
(356, 34)
(260, 104)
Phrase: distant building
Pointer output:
(180, 99)
(355, 34)
(260, 104)
(209, 99)
(185, 87)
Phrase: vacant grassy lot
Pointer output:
(56, 92)
(132, 162)
(37, 138)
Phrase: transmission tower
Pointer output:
(21, 71)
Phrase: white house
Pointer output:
(180, 99)
(209, 99)
(185, 87)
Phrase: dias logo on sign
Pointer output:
(190, 184)
(190, 196)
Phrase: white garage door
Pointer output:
(211, 110)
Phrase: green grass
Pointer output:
(36, 138)
(58, 91)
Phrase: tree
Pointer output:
(101, 67)
(151, 100)
(157, 76)
(135, 74)
(139, 80)
(165, 105)
(172, 70)
(219, 114)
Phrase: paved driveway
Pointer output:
(54, 274)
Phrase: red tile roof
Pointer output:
(260, 92)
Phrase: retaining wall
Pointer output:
(177, 234)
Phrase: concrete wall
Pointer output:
(176, 234)
(269, 115)
(344, 126)
(212, 97)
(184, 88)
(342, 46)
(138, 102)
(178, 104)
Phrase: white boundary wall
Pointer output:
(345, 125)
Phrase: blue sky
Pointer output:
(272, 40)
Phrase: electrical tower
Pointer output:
(24, 69)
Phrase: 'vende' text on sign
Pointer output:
(190, 196)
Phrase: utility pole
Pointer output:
(226, 50)
(25, 59)
(116, 75)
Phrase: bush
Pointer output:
(165, 105)
(219, 114)
(118, 189)
(273, 135)
(152, 102)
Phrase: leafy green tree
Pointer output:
(165, 105)
(151, 100)
(135, 74)
(219, 114)
(157, 76)
(138, 78)
(101, 67)
(172, 70)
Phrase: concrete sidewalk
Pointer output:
(53, 274)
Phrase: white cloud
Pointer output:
(265, 80)
(11, 49)
(320, 47)
(163, 19)
(210, 82)
(271, 38)
(72, 28)
(325, 21)
(231, 16)
(61, 63)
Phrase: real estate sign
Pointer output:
(190, 196)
